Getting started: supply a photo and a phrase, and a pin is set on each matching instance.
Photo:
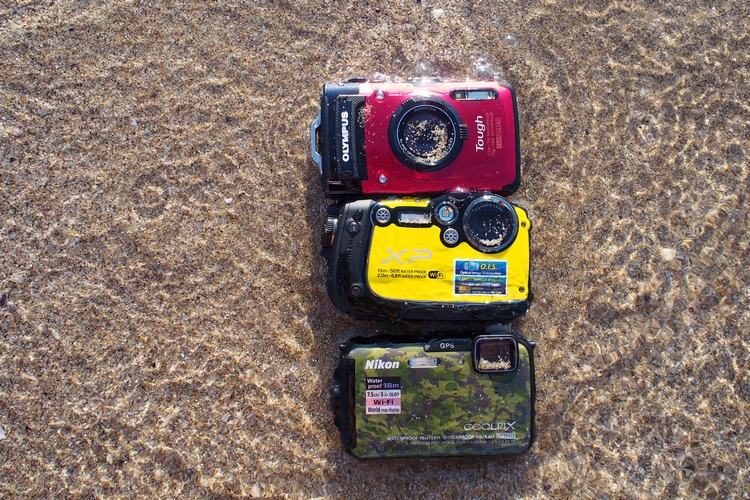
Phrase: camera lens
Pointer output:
(495, 354)
(490, 223)
(426, 134)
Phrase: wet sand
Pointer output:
(164, 328)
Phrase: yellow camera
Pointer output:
(456, 257)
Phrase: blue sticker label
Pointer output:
(481, 277)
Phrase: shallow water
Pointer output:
(164, 326)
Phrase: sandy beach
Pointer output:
(164, 326)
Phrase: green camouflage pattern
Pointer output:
(448, 409)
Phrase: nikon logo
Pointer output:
(493, 426)
(345, 136)
(379, 364)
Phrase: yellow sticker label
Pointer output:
(412, 263)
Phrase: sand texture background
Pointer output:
(164, 327)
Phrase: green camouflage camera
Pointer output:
(436, 397)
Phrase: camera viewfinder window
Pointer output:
(474, 95)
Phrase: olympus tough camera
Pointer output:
(435, 397)
(421, 136)
(456, 257)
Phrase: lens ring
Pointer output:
(490, 223)
(425, 133)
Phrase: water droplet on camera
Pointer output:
(510, 40)
(423, 69)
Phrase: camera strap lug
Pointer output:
(313, 142)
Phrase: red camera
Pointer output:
(420, 136)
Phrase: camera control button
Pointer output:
(358, 214)
(463, 132)
(450, 236)
(353, 227)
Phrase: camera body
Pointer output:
(454, 257)
(420, 136)
(436, 397)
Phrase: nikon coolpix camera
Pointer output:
(421, 136)
(455, 257)
(435, 397)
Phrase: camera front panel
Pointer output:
(449, 258)
(433, 262)
(438, 141)
(428, 399)
(405, 138)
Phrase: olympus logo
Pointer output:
(344, 136)
(379, 364)
(480, 133)
(493, 426)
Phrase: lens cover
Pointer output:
(495, 354)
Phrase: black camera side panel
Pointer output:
(346, 281)
(332, 181)
(343, 401)
(485, 312)
(530, 346)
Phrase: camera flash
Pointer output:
(423, 362)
